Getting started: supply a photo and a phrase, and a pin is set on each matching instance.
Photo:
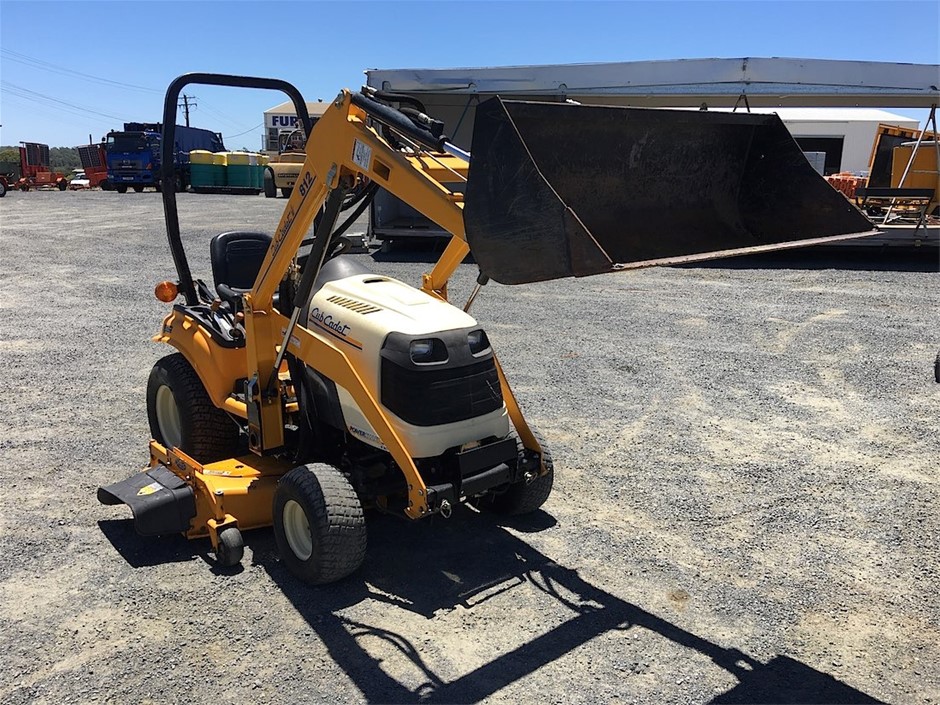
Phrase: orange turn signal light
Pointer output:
(166, 291)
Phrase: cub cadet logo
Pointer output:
(304, 189)
(325, 319)
(282, 233)
(336, 328)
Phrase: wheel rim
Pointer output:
(297, 530)
(168, 417)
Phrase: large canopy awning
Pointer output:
(767, 82)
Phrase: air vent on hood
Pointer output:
(353, 305)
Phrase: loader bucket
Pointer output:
(558, 190)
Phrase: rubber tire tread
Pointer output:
(231, 547)
(522, 498)
(208, 433)
(337, 523)
(268, 185)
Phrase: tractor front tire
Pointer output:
(121, 189)
(319, 525)
(523, 497)
(286, 192)
(62, 184)
(182, 415)
(231, 547)
(138, 189)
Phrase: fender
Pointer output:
(218, 367)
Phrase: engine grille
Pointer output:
(433, 397)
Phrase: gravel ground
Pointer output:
(745, 506)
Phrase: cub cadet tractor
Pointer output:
(305, 388)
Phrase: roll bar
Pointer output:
(170, 212)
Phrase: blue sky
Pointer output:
(70, 69)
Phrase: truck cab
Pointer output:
(133, 159)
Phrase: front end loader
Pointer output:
(305, 389)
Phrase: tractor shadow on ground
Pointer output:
(437, 565)
(148, 551)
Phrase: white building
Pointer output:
(283, 119)
(846, 135)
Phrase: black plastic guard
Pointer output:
(161, 502)
(558, 190)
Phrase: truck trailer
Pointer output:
(94, 160)
(134, 154)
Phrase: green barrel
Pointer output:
(263, 160)
(219, 161)
(257, 170)
(201, 170)
(238, 171)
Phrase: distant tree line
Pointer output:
(62, 159)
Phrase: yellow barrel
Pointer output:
(201, 170)
(258, 171)
(219, 162)
(238, 171)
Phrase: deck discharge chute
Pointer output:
(557, 190)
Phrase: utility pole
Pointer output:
(188, 101)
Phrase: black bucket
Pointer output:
(558, 190)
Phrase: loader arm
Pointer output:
(343, 148)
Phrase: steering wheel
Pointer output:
(295, 141)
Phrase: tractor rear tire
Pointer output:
(182, 415)
(319, 525)
(523, 497)
(270, 189)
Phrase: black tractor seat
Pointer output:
(236, 257)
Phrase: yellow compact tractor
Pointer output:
(305, 388)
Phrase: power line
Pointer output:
(15, 99)
(49, 100)
(218, 114)
(63, 70)
(260, 124)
